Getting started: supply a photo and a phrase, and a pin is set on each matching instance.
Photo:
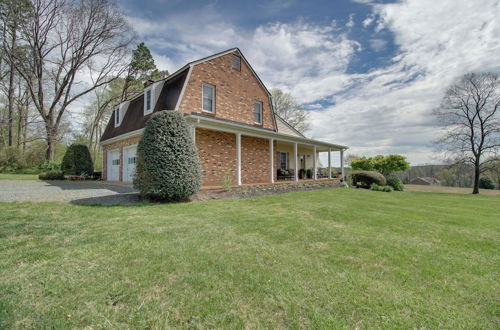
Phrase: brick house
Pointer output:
(237, 135)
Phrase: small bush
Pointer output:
(309, 173)
(486, 183)
(395, 183)
(168, 167)
(365, 179)
(52, 175)
(77, 161)
(376, 187)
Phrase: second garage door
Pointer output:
(129, 161)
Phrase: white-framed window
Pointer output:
(118, 119)
(132, 160)
(257, 112)
(208, 96)
(148, 101)
(115, 162)
(283, 157)
(236, 61)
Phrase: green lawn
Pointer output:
(321, 259)
(8, 176)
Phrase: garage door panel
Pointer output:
(113, 165)
(129, 163)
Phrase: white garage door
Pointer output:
(113, 165)
(129, 161)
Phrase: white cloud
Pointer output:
(350, 23)
(384, 111)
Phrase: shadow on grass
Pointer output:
(76, 185)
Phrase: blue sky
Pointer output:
(370, 72)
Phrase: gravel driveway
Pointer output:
(87, 192)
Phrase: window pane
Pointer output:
(257, 112)
(117, 116)
(236, 62)
(148, 100)
(208, 98)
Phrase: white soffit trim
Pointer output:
(121, 137)
(215, 124)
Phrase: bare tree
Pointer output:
(287, 107)
(74, 47)
(470, 120)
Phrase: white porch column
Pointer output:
(295, 162)
(342, 163)
(193, 133)
(238, 158)
(329, 163)
(271, 160)
(315, 166)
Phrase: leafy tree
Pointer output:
(492, 168)
(390, 164)
(167, 164)
(77, 160)
(287, 107)
(142, 67)
(382, 164)
(470, 120)
(362, 164)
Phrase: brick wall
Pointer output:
(217, 153)
(116, 145)
(254, 160)
(235, 92)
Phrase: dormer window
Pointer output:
(257, 112)
(236, 60)
(148, 101)
(208, 96)
(118, 118)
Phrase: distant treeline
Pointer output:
(454, 175)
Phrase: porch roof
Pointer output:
(202, 121)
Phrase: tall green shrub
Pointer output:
(77, 160)
(167, 164)
(486, 183)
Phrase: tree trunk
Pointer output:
(10, 95)
(475, 190)
(51, 140)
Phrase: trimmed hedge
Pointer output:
(168, 167)
(376, 187)
(77, 161)
(51, 175)
(395, 183)
(365, 179)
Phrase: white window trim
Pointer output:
(203, 97)
(151, 89)
(261, 111)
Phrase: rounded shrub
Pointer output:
(365, 179)
(51, 175)
(168, 167)
(395, 183)
(486, 183)
(77, 161)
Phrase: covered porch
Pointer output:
(252, 155)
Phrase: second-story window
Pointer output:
(117, 117)
(148, 101)
(236, 60)
(257, 112)
(208, 98)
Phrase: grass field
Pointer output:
(321, 259)
(453, 190)
(8, 176)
